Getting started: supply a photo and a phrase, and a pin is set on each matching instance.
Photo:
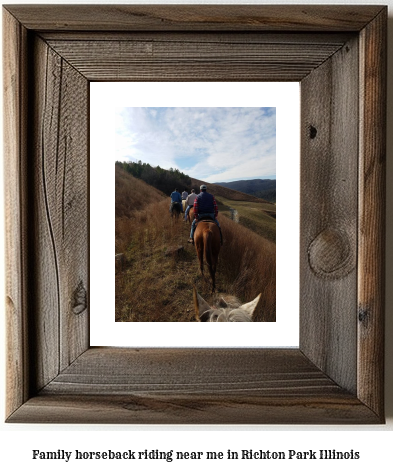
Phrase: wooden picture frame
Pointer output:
(338, 54)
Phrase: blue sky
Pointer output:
(210, 143)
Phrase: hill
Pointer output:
(262, 188)
(160, 178)
(159, 268)
(132, 194)
(225, 192)
(258, 215)
(167, 180)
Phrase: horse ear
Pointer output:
(250, 307)
(200, 305)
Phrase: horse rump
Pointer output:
(207, 244)
(175, 209)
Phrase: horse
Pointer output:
(208, 243)
(190, 215)
(226, 309)
(175, 209)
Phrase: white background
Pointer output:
(373, 442)
(104, 99)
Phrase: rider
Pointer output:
(175, 197)
(205, 206)
(190, 202)
(184, 195)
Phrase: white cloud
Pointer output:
(215, 143)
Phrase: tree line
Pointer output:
(162, 179)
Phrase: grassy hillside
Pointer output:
(250, 186)
(261, 188)
(256, 216)
(227, 193)
(132, 194)
(160, 267)
(254, 213)
(162, 179)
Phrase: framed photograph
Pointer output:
(52, 55)
(153, 283)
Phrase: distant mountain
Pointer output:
(261, 188)
(130, 178)
(225, 191)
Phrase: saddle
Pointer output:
(210, 219)
(206, 219)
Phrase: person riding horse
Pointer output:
(205, 207)
(175, 197)
(190, 203)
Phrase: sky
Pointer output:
(210, 143)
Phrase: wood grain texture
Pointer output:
(201, 37)
(186, 59)
(129, 409)
(372, 192)
(329, 174)
(60, 218)
(14, 73)
(193, 386)
(195, 17)
(201, 371)
(335, 376)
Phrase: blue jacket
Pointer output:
(176, 197)
(206, 203)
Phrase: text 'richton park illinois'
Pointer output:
(171, 455)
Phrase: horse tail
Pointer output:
(208, 239)
(207, 243)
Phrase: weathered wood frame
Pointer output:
(338, 54)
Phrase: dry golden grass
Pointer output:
(131, 198)
(132, 194)
(248, 264)
(155, 283)
(253, 215)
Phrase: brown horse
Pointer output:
(190, 215)
(208, 243)
(225, 309)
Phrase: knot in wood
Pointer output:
(80, 299)
(330, 254)
(313, 132)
